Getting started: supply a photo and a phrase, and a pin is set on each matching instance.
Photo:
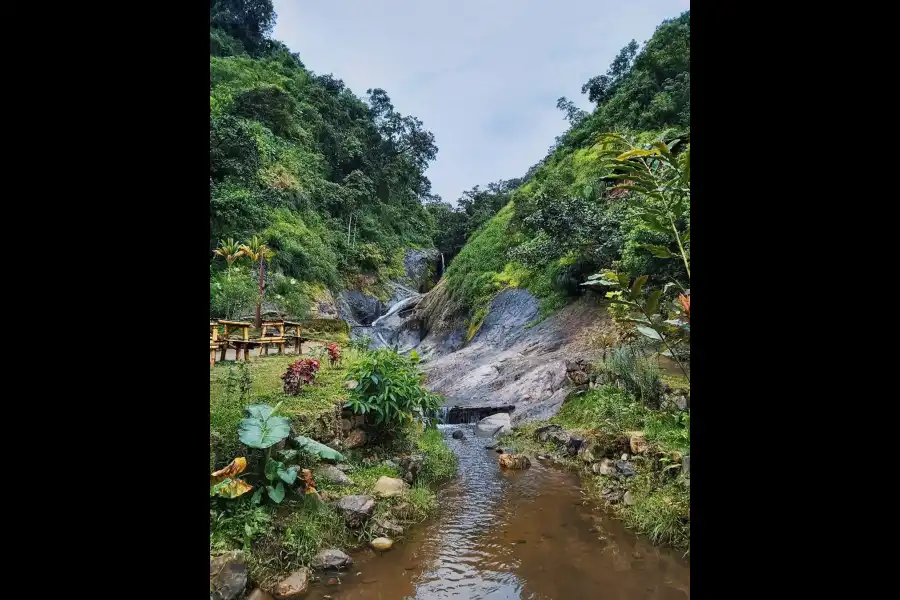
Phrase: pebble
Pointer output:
(624, 457)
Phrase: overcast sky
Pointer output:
(482, 75)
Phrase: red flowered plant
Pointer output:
(334, 353)
(299, 373)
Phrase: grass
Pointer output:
(278, 539)
(604, 417)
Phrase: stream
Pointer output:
(505, 535)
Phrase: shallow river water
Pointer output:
(504, 535)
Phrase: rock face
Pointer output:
(356, 509)
(507, 363)
(493, 425)
(355, 439)
(382, 543)
(293, 586)
(334, 475)
(514, 461)
(331, 558)
(386, 487)
(227, 576)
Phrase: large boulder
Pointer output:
(493, 425)
(356, 509)
(227, 576)
(332, 558)
(386, 487)
(294, 586)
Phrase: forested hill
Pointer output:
(331, 182)
(563, 221)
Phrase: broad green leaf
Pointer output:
(648, 332)
(272, 468)
(257, 496)
(287, 475)
(263, 433)
(276, 494)
(261, 411)
(637, 285)
(653, 301)
(231, 488)
(623, 280)
(637, 153)
(658, 251)
(321, 450)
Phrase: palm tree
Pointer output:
(257, 250)
(229, 250)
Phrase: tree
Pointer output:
(250, 21)
(257, 250)
(601, 87)
(229, 250)
(573, 114)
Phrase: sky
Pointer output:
(482, 75)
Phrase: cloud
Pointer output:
(482, 76)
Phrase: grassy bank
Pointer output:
(278, 538)
(606, 418)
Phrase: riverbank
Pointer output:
(632, 459)
(371, 491)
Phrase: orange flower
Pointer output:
(685, 305)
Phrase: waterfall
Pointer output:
(442, 265)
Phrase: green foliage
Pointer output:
(263, 428)
(389, 385)
(440, 463)
(329, 181)
(291, 297)
(317, 449)
(237, 525)
(232, 293)
(361, 343)
(638, 373)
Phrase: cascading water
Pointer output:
(442, 265)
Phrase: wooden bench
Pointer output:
(297, 338)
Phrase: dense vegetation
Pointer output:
(567, 220)
(332, 184)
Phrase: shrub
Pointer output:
(298, 373)
(361, 343)
(638, 373)
(232, 292)
(389, 385)
(334, 353)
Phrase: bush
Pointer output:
(290, 296)
(232, 292)
(298, 373)
(334, 353)
(361, 343)
(389, 385)
(638, 373)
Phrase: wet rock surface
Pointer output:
(356, 508)
(387, 487)
(227, 576)
(334, 475)
(293, 586)
(332, 558)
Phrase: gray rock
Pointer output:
(356, 509)
(458, 434)
(612, 496)
(604, 467)
(386, 487)
(560, 439)
(624, 457)
(390, 464)
(493, 425)
(332, 558)
(258, 594)
(387, 528)
(344, 468)
(227, 576)
(574, 445)
(411, 466)
(542, 433)
(334, 475)
(625, 468)
(294, 586)
(686, 465)
(629, 499)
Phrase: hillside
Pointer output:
(565, 221)
(331, 183)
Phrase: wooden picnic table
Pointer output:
(213, 342)
(273, 338)
(298, 336)
(245, 331)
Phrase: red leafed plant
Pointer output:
(334, 353)
(300, 372)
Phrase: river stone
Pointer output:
(542, 433)
(258, 594)
(386, 527)
(386, 487)
(227, 576)
(604, 467)
(497, 424)
(560, 439)
(629, 499)
(332, 558)
(458, 434)
(624, 467)
(334, 475)
(355, 439)
(382, 543)
(356, 508)
(514, 461)
(293, 586)
(638, 442)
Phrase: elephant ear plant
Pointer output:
(263, 428)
